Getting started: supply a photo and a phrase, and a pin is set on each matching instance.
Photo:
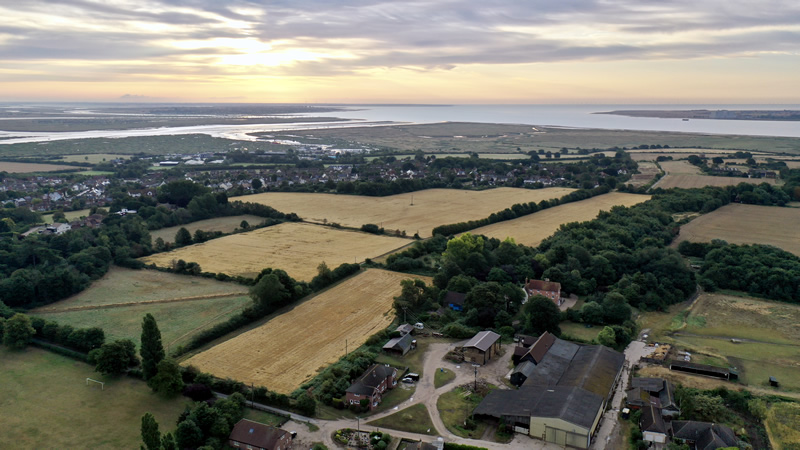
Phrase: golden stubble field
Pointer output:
(681, 174)
(430, 208)
(746, 224)
(291, 348)
(532, 229)
(297, 248)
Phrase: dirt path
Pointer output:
(143, 302)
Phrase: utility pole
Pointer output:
(345, 347)
(476, 379)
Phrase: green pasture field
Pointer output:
(758, 337)
(93, 158)
(177, 321)
(122, 285)
(783, 425)
(455, 407)
(45, 403)
(70, 215)
(224, 224)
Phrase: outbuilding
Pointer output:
(482, 347)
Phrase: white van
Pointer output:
(419, 326)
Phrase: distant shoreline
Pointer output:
(785, 115)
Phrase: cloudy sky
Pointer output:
(448, 51)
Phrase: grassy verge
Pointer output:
(264, 417)
(414, 419)
(391, 399)
(455, 407)
(47, 404)
(442, 377)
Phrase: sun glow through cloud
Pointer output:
(421, 51)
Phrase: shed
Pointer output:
(774, 382)
(399, 345)
(455, 300)
(653, 427)
(405, 329)
(482, 347)
(522, 372)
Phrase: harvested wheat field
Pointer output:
(417, 212)
(647, 172)
(532, 229)
(297, 248)
(747, 224)
(291, 348)
(681, 174)
(224, 224)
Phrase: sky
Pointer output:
(362, 51)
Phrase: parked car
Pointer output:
(419, 326)
(413, 376)
(407, 380)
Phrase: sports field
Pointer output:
(532, 229)
(45, 403)
(16, 167)
(297, 248)
(417, 212)
(746, 224)
(70, 215)
(292, 347)
(182, 305)
(223, 224)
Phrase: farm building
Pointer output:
(704, 435)
(563, 397)
(654, 429)
(482, 347)
(248, 434)
(371, 385)
(702, 369)
(545, 288)
(405, 329)
(399, 345)
(454, 300)
(523, 340)
(521, 373)
(538, 349)
(653, 391)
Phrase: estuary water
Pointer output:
(572, 116)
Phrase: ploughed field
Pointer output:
(532, 229)
(747, 224)
(297, 248)
(292, 347)
(417, 212)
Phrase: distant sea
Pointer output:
(580, 116)
(570, 116)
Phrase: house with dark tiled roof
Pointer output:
(250, 435)
(371, 385)
(653, 391)
(703, 435)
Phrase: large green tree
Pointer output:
(18, 331)
(167, 381)
(269, 292)
(183, 237)
(150, 434)
(152, 349)
(114, 358)
(543, 315)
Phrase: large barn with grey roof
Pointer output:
(563, 396)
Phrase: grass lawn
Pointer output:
(579, 330)
(442, 377)
(45, 403)
(177, 321)
(264, 417)
(391, 399)
(70, 215)
(455, 407)
(415, 419)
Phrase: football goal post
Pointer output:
(102, 385)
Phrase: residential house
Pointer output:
(545, 288)
(58, 228)
(704, 435)
(371, 385)
(482, 347)
(250, 435)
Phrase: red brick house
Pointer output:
(371, 385)
(546, 288)
(251, 435)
